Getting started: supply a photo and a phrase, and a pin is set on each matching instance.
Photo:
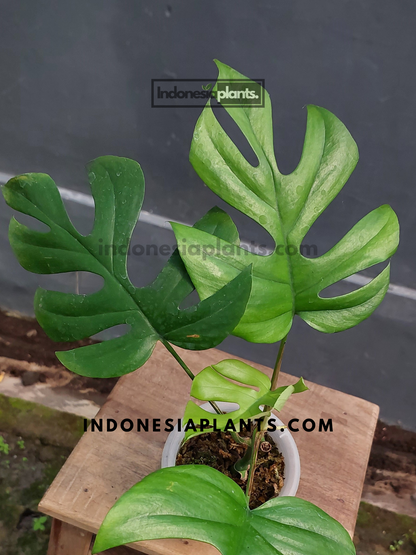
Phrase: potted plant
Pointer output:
(254, 297)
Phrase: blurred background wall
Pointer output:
(75, 83)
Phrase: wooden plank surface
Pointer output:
(106, 464)
(68, 540)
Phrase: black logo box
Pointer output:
(221, 82)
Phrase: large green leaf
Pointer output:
(199, 503)
(285, 282)
(213, 384)
(151, 312)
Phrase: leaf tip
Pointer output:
(176, 226)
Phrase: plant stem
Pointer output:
(243, 464)
(213, 404)
(239, 439)
(258, 434)
(178, 358)
(192, 376)
(278, 363)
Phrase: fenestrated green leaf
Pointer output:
(151, 312)
(285, 282)
(213, 384)
(199, 503)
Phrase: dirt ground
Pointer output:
(27, 352)
(391, 473)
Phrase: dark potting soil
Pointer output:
(220, 451)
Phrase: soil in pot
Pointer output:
(220, 451)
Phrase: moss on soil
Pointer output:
(36, 421)
(36, 441)
(381, 532)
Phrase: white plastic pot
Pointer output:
(284, 441)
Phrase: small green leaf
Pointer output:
(4, 446)
(199, 503)
(39, 523)
(152, 312)
(286, 283)
(213, 384)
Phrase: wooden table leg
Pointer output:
(68, 540)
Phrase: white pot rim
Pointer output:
(283, 439)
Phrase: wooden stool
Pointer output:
(106, 464)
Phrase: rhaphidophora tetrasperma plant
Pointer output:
(254, 297)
